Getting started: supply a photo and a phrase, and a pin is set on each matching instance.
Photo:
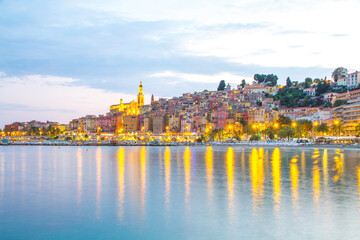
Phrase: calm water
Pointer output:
(178, 193)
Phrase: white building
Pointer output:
(351, 80)
(310, 91)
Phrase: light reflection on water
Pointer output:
(179, 192)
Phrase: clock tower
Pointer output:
(140, 96)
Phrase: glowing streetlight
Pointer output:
(293, 124)
(276, 125)
(337, 122)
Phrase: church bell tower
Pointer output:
(140, 96)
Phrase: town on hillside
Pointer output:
(258, 111)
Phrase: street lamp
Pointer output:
(337, 124)
(293, 124)
(315, 125)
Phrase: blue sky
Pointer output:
(62, 59)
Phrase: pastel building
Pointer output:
(352, 80)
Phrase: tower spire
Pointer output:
(140, 96)
(152, 98)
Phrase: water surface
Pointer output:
(178, 193)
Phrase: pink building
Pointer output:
(104, 122)
(220, 117)
(12, 127)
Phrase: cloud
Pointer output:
(10, 107)
(101, 49)
(52, 98)
(200, 78)
(339, 35)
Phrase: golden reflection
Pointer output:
(276, 174)
(209, 171)
(121, 184)
(303, 165)
(178, 161)
(338, 167)
(230, 176)
(294, 176)
(167, 157)
(325, 168)
(257, 177)
(315, 156)
(187, 168)
(316, 183)
(98, 181)
(243, 163)
(79, 173)
(143, 177)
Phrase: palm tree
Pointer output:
(304, 127)
(357, 129)
(322, 128)
(287, 132)
(337, 127)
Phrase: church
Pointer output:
(131, 108)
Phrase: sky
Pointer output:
(65, 59)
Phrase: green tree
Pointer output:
(322, 87)
(243, 83)
(287, 132)
(338, 73)
(357, 129)
(308, 82)
(271, 79)
(339, 102)
(293, 97)
(269, 133)
(337, 128)
(243, 122)
(288, 82)
(260, 77)
(283, 121)
(221, 86)
(322, 128)
(248, 129)
(316, 80)
(305, 126)
(254, 137)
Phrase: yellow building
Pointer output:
(131, 108)
(131, 123)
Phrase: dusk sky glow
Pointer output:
(65, 59)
